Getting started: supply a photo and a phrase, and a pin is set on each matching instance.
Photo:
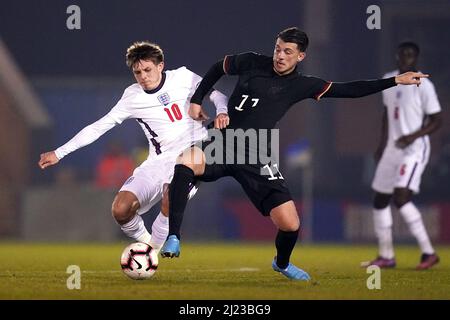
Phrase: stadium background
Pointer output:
(54, 81)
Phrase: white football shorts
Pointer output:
(148, 180)
(400, 169)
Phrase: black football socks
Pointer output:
(285, 243)
(178, 196)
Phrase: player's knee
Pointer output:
(290, 224)
(193, 159)
(294, 226)
(198, 169)
(400, 200)
(165, 202)
(122, 211)
(401, 197)
(184, 160)
(187, 164)
(381, 201)
(285, 217)
(290, 227)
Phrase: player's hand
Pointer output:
(404, 141)
(410, 78)
(222, 121)
(48, 159)
(196, 112)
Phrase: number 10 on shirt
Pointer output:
(174, 113)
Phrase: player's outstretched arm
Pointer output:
(92, 132)
(86, 136)
(362, 88)
(357, 89)
(48, 159)
(410, 78)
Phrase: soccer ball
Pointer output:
(139, 261)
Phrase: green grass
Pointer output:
(215, 271)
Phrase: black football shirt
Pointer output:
(261, 96)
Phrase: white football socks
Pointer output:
(414, 220)
(135, 229)
(160, 231)
(382, 220)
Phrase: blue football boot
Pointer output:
(292, 272)
(171, 247)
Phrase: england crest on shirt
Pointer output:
(164, 98)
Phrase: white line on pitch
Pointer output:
(245, 269)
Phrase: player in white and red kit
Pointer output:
(159, 102)
(411, 114)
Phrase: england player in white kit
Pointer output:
(159, 102)
(411, 113)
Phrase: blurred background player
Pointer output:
(159, 102)
(114, 167)
(411, 113)
(267, 88)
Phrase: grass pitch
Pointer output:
(216, 271)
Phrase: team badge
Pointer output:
(164, 98)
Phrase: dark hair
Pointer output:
(295, 35)
(144, 50)
(409, 44)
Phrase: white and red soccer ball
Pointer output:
(139, 261)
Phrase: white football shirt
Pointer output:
(407, 108)
(162, 114)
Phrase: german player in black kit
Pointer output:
(267, 87)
